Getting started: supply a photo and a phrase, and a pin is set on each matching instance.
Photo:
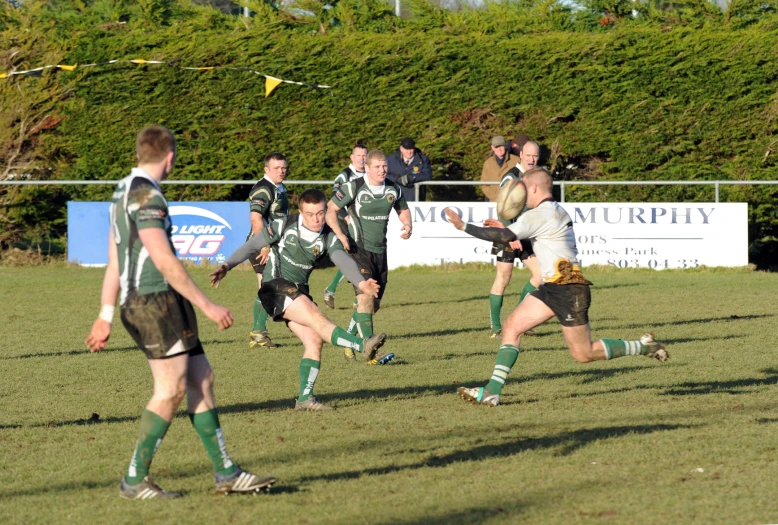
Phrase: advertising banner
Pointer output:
(201, 230)
(626, 235)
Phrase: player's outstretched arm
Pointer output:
(101, 328)
(405, 218)
(157, 244)
(498, 235)
(331, 218)
(256, 243)
(351, 271)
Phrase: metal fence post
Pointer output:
(562, 193)
(717, 191)
(416, 189)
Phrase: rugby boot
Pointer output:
(329, 299)
(241, 481)
(381, 359)
(262, 339)
(479, 396)
(371, 345)
(496, 333)
(349, 355)
(657, 349)
(311, 405)
(146, 489)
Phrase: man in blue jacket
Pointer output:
(407, 166)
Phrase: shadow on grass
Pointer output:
(468, 516)
(437, 333)
(564, 443)
(683, 322)
(86, 352)
(733, 387)
(587, 375)
(113, 483)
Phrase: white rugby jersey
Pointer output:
(550, 230)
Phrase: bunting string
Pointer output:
(271, 83)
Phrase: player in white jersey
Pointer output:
(564, 292)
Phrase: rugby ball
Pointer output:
(511, 200)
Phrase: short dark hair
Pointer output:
(154, 143)
(274, 156)
(359, 145)
(312, 197)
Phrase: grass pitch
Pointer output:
(626, 441)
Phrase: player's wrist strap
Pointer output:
(106, 313)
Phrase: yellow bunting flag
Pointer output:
(68, 68)
(270, 84)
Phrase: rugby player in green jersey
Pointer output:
(297, 243)
(564, 292)
(369, 200)
(269, 201)
(354, 171)
(156, 309)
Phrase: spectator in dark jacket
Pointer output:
(406, 167)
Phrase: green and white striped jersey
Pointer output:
(295, 249)
(138, 203)
(369, 209)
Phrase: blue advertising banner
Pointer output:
(201, 230)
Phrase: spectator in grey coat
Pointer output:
(406, 167)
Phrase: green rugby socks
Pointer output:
(342, 338)
(207, 426)
(364, 324)
(309, 371)
(619, 348)
(152, 430)
(506, 358)
(495, 305)
(335, 282)
(528, 289)
(260, 316)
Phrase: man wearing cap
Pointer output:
(497, 165)
(518, 143)
(406, 167)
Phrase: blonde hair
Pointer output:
(154, 143)
(539, 176)
(374, 155)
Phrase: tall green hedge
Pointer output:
(649, 99)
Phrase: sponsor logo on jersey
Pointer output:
(197, 233)
(316, 251)
(151, 214)
(339, 194)
(390, 198)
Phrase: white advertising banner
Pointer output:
(626, 235)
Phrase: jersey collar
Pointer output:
(355, 172)
(138, 172)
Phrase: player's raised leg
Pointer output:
(304, 312)
(584, 350)
(529, 314)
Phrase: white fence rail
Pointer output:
(563, 184)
